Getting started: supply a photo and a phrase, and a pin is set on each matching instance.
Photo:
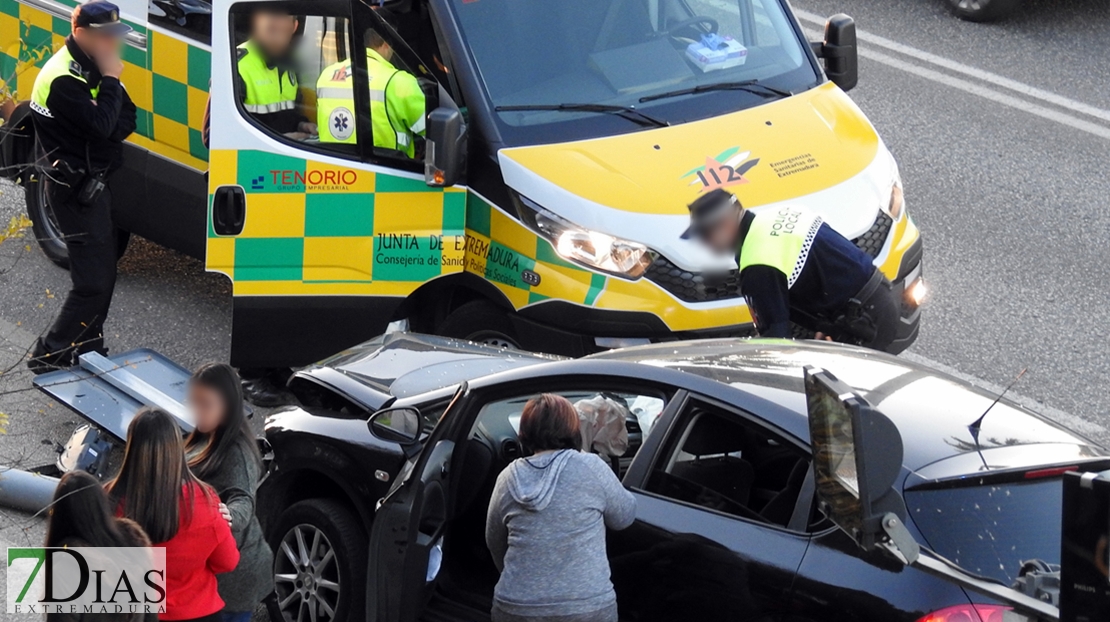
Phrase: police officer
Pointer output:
(794, 267)
(268, 79)
(396, 101)
(82, 114)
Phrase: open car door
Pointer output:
(406, 542)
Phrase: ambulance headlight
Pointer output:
(592, 249)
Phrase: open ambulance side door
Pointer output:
(322, 232)
(406, 542)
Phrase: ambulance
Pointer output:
(544, 205)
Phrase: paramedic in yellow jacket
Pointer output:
(396, 101)
(268, 77)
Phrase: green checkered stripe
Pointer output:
(169, 93)
(513, 249)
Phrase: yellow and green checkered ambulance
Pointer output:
(544, 206)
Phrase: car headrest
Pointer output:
(714, 435)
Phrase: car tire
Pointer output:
(480, 321)
(983, 10)
(45, 227)
(304, 577)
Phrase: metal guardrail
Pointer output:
(61, 11)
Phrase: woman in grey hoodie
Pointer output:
(546, 523)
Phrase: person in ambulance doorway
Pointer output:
(397, 105)
(795, 268)
(268, 88)
(82, 114)
(267, 75)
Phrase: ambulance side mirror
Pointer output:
(840, 51)
(445, 156)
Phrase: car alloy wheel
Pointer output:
(306, 575)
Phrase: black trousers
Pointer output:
(91, 241)
(885, 311)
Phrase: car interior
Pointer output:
(719, 461)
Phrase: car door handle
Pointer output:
(229, 210)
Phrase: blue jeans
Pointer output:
(236, 616)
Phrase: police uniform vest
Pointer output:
(781, 239)
(391, 90)
(266, 89)
(60, 64)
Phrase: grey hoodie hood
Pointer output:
(532, 480)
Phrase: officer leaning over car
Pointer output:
(794, 267)
(82, 114)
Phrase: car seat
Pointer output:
(780, 508)
(712, 440)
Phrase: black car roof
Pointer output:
(931, 409)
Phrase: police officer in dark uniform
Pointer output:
(82, 114)
(795, 268)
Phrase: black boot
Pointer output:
(43, 361)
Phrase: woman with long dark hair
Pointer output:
(156, 489)
(222, 452)
(81, 516)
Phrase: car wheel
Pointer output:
(320, 553)
(44, 225)
(983, 10)
(480, 321)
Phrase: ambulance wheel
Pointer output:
(480, 321)
(983, 10)
(45, 227)
(320, 560)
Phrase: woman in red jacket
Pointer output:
(155, 489)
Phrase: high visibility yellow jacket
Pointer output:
(396, 104)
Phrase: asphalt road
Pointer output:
(1003, 136)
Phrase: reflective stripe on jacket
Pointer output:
(60, 64)
(780, 239)
(266, 89)
(396, 105)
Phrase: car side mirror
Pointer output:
(840, 51)
(396, 425)
(445, 155)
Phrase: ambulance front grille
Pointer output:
(690, 286)
(872, 240)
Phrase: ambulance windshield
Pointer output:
(534, 56)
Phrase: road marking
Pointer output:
(1066, 419)
(967, 70)
(980, 90)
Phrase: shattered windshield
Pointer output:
(554, 63)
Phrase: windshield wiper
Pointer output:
(627, 112)
(751, 86)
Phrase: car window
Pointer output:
(614, 423)
(720, 460)
(991, 530)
